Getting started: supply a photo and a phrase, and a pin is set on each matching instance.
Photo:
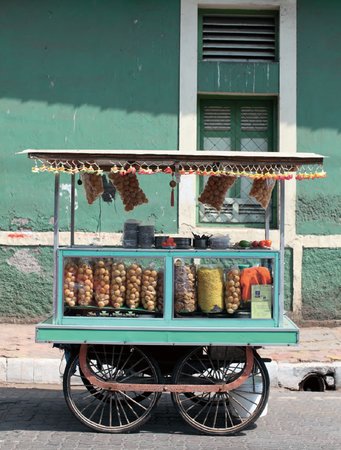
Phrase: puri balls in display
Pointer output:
(232, 291)
(118, 284)
(134, 280)
(85, 284)
(102, 283)
(70, 274)
(148, 289)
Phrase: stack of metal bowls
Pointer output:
(130, 233)
(146, 236)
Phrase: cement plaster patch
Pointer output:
(25, 261)
(338, 376)
(20, 221)
(3, 370)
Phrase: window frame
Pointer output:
(238, 101)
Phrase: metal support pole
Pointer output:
(267, 223)
(281, 249)
(72, 224)
(55, 245)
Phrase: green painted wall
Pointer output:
(288, 279)
(318, 112)
(244, 78)
(25, 282)
(85, 75)
(321, 284)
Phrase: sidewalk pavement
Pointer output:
(22, 360)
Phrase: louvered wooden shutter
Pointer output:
(238, 38)
(217, 118)
(254, 118)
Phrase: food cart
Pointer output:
(138, 322)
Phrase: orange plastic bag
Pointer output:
(251, 276)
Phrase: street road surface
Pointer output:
(39, 419)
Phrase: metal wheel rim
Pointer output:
(109, 411)
(225, 413)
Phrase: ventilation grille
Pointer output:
(217, 118)
(239, 38)
(254, 119)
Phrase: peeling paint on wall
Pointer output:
(24, 261)
(20, 222)
(25, 282)
(66, 187)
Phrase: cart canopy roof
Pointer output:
(252, 164)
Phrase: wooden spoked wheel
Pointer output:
(103, 409)
(221, 413)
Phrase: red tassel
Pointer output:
(172, 184)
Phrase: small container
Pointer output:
(159, 240)
(131, 225)
(200, 243)
(130, 233)
(169, 243)
(219, 242)
(146, 236)
(183, 243)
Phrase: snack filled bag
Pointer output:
(93, 185)
(85, 282)
(70, 286)
(215, 190)
(134, 280)
(232, 290)
(253, 276)
(184, 287)
(102, 282)
(148, 289)
(210, 289)
(160, 290)
(118, 284)
(261, 190)
(129, 189)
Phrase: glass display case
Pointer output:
(168, 290)
(203, 286)
(109, 286)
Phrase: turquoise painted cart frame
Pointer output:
(168, 330)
